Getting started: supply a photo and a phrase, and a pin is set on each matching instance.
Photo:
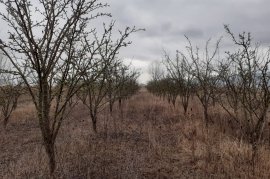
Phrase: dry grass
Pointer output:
(149, 139)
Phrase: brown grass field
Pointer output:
(148, 139)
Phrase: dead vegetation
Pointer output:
(214, 125)
(150, 139)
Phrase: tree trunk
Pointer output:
(49, 142)
(95, 125)
(174, 101)
(254, 157)
(185, 109)
(94, 122)
(5, 122)
(185, 105)
(120, 103)
(44, 122)
(185, 100)
(206, 116)
(111, 106)
(110, 101)
(120, 107)
(6, 116)
(51, 155)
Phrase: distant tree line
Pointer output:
(238, 81)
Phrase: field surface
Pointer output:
(147, 138)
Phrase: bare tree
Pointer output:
(10, 91)
(122, 84)
(170, 89)
(165, 88)
(100, 80)
(128, 84)
(156, 71)
(94, 92)
(92, 95)
(251, 86)
(180, 71)
(228, 90)
(43, 47)
(204, 73)
(113, 83)
(157, 84)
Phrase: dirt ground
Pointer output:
(147, 138)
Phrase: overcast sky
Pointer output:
(167, 21)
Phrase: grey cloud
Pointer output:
(193, 33)
(167, 21)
